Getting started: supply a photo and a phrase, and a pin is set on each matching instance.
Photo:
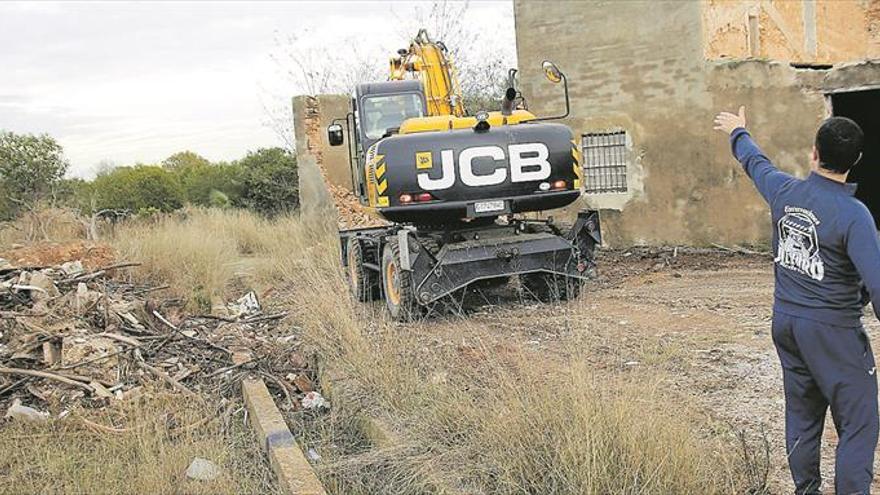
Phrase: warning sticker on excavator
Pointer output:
(424, 160)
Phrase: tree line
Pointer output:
(33, 168)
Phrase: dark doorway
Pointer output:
(864, 108)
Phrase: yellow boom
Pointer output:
(431, 63)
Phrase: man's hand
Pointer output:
(727, 122)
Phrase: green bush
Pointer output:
(200, 182)
(269, 181)
(185, 160)
(138, 189)
(30, 167)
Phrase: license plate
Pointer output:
(489, 206)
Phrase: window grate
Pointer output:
(605, 162)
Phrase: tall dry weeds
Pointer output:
(42, 225)
(205, 255)
(147, 453)
(512, 424)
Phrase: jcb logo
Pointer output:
(424, 160)
(528, 162)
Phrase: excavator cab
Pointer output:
(377, 111)
(382, 114)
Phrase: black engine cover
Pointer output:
(466, 169)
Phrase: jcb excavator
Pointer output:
(455, 187)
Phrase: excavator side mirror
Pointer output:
(556, 76)
(334, 134)
(551, 72)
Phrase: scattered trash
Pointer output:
(41, 282)
(202, 470)
(301, 382)
(6, 265)
(73, 268)
(631, 363)
(313, 454)
(314, 400)
(246, 305)
(20, 412)
(73, 335)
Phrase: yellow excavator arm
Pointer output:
(430, 62)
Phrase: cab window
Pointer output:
(383, 112)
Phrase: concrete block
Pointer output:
(295, 474)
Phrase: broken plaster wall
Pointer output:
(642, 69)
(318, 162)
(802, 31)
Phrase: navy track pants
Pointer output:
(825, 365)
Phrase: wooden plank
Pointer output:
(295, 474)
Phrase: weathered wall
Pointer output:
(873, 14)
(325, 178)
(639, 65)
(318, 162)
(861, 75)
(802, 31)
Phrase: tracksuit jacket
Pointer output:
(826, 254)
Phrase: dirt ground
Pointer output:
(699, 319)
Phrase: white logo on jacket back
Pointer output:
(798, 248)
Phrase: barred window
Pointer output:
(605, 161)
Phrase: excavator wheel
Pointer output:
(362, 281)
(397, 285)
(549, 287)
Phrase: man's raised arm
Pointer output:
(767, 178)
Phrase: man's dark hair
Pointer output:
(839, 143)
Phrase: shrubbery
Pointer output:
(269, 181)
(32, 169)
(137, 189)
(264, 181)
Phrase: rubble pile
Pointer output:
(73, 336)
(91, 255)
(350, 212)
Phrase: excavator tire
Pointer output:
(550, 287)
(362, 281)
(397, 285)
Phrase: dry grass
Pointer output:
(513, 423)
(49, 224)
(69, 456)
(205, 254)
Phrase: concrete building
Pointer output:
(647, 77)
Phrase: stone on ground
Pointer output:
(202, 470)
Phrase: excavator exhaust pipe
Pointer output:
(507, 101)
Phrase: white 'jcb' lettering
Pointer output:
(447, 178)
(518, 163)
(467, 171)
(522, 168)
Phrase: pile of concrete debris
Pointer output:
(351, 214)
(72, 337)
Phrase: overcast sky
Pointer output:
(135, 82)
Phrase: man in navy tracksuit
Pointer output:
(827, 256)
